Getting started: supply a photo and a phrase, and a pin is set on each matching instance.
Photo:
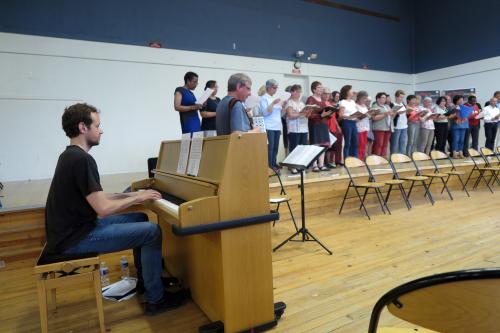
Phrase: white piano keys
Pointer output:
(170, 207)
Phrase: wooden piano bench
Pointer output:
(54, 270)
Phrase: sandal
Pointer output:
(315, 169)
(324, 168)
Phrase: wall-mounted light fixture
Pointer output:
(312, 56)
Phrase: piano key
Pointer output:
(168, 206)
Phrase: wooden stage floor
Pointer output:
(323, 293)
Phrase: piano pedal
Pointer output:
(215, 327)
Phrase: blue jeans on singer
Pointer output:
(399, 141)
(273, 139)
(129, 231)
(458, 135)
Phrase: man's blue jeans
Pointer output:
(399, 141)
(129, 231)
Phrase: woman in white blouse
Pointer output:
(426, 127)
(296, 119)
(347, 109)
(362, 125)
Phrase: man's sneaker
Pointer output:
(169, 301)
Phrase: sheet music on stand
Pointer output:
(184, 153)
(302, 156)
(195, 154)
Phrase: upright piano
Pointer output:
(216, 228)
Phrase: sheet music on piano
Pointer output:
(184, 154)
(302, 156)
(195, 154)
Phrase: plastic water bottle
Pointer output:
(124, 268)
(104, 270)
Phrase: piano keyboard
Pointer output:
(168, 206)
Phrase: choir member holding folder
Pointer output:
(413, 115)
(399, 138)
(208, 112)
(459, 125)
(185, 103)
(333, 155)
(441, 124)
(347, 113)
(318, 124)
(382, 125)
(363, 125)
(491, 115)
(296, 119)
(426, 134)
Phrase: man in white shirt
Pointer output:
(491, 115)
(271, 106)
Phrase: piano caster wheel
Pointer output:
(279, 309)
(215, 327)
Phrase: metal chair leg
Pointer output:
(364, 196)
(405, 198)
(345, 196)
(427, 192)
(362, 203)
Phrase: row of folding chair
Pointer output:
(363, 188)
(486, 164)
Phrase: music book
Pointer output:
(252, 101)
(302, 156)
(313, 106)
(195, 154)
(331, 108)
(184, 153)
(259, 123)
(400, 109)
(204, 96)
(359, 115)
(422, 113)
(374, 112)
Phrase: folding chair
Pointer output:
(350, 163)
(401, 158)
(454, 302)
(419, 157)
(282, 198)
(488, 154)
(482, 170)
(437, 155)
(375, 160)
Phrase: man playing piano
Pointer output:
(79, 215)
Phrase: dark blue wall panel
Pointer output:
(269, 29)
(452, 32)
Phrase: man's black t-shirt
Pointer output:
(68, 215)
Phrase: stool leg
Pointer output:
(42, 304)
(53, 301)
(98, 297)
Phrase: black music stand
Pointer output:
(301, 158)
